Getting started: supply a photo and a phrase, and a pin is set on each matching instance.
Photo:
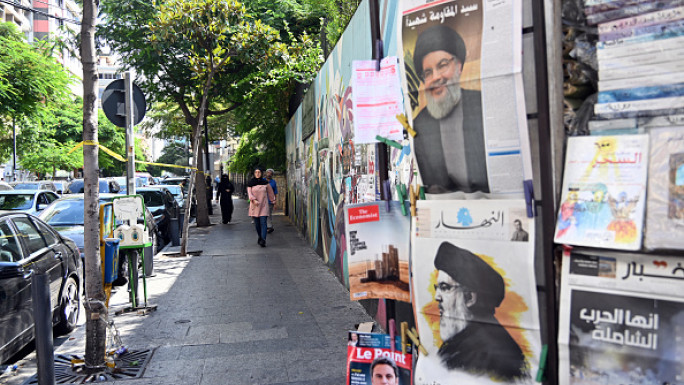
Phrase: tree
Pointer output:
(203, 55)
(96, 312)
(174, 153)
(30, 80)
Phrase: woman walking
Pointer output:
(224, 194)
(260, 195)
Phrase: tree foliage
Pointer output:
(43, 144)
(31, 80)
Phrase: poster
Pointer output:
(604, 192)
(463, 79)
(475, 297)
(621, 319)
(665, 214)
(377, 100)
(371, 355)
(378, 251)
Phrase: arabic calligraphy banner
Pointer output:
(620, 319)
(474, 291)
(604, 192)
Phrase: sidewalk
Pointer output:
(236, 314)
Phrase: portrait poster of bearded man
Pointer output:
(463, 80)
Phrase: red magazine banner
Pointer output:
(369, 355)
(364, 214)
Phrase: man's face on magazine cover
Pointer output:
(384, 375)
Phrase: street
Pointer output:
(235, 314)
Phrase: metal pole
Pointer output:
(130, 138)
(207, 167)
(42, 315)
(14, 153)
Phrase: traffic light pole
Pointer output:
(130, 138)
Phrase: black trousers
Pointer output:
(226, 208)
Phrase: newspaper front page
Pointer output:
(621, 319)
(475, 298)
(462, 61)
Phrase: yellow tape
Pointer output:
(122, 159)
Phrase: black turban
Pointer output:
(472, 272)
(438, 38)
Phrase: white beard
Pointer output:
(441, 107)
(453, 322)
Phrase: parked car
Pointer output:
(163, 206)
(121, 180)
(106, 185)
(66, 216)
(26, 201)
(60, 186)
(182, 181)
(4, 186)
(177, 192)
(35, 185)
(29, 246)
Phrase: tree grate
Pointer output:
(130, 365)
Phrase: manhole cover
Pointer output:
(131, 365)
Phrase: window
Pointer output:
(9, 244)
(49, 236)
(34, 241)
(51, 198)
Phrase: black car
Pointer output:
(29, 246)
(163, 206)
(105, 185)
(66, 216)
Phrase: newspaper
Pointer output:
(604, 192)
(475, 298)
(378, 251)
(377, 100)
(665, 214)
(620, 319)
(463, 62)
(366, 349)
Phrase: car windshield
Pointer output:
(76, 187)
(64, 212)
(26, 186)
(16, 201)
(152, 198)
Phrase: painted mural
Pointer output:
(327, 170)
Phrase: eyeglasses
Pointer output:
(445, 287)
(442, 66)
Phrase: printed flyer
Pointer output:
(371, 355)
(620, 319)
(604, 192)
(460, 57)
(378, 251)
(475, 297)
(377, 100)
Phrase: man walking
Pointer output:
(274, 186)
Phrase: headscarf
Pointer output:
(225, 183)
(257, 181)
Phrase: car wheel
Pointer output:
(69, 306)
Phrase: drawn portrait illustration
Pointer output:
(475, 305)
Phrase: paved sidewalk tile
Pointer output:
(237, 313)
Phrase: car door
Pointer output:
(46, 259)
(15, 289)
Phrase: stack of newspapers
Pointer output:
(640, 57)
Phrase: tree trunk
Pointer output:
(202, 203)
(96, 311)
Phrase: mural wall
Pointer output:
(327, 169)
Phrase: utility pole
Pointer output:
(130, 138)
(14, 153)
